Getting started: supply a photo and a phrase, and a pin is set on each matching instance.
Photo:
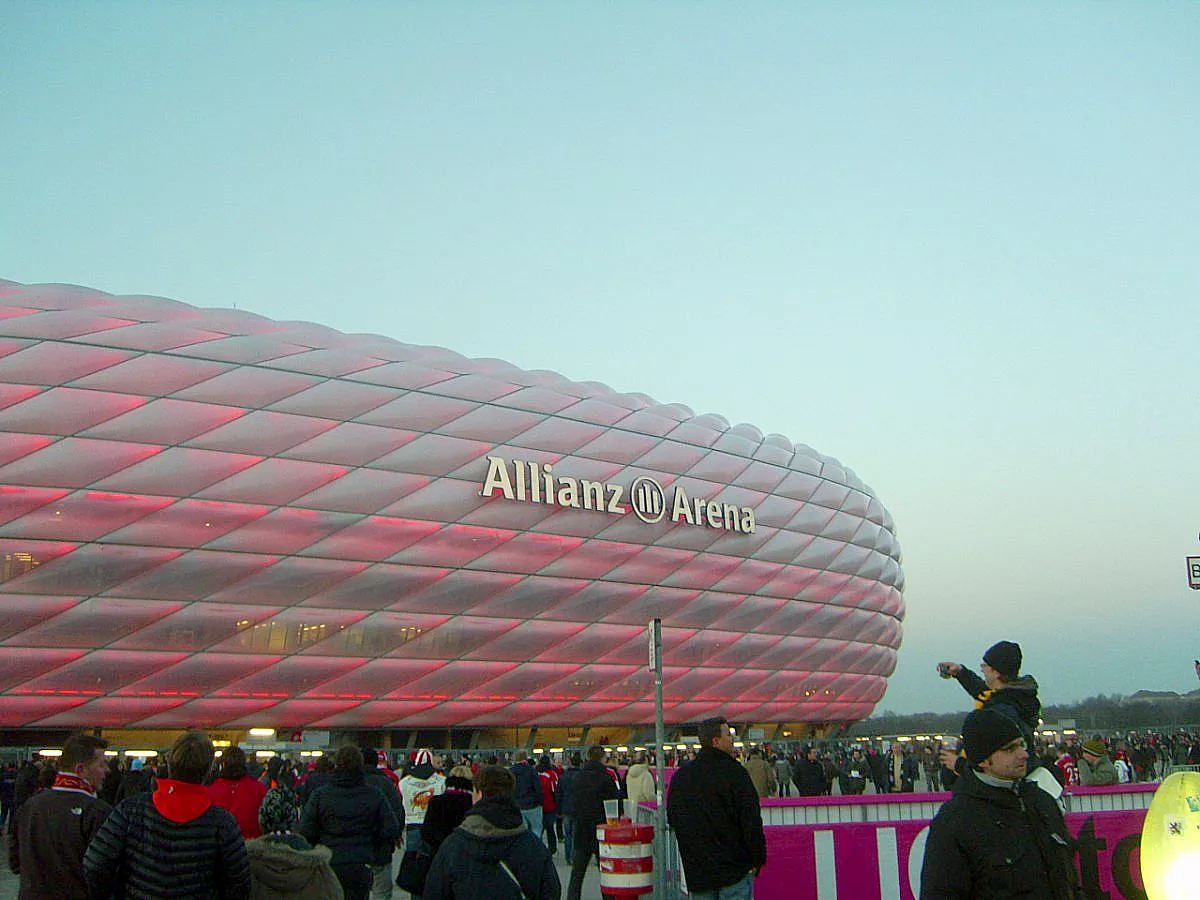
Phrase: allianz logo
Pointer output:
(532, 482)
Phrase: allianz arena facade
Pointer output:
(213, 519)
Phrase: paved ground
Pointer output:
(591, 887)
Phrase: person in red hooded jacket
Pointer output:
(235, 790)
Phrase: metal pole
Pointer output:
(660, 762)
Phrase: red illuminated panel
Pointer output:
(526, 553)
(189, 523)
(251, 388)
(455, 637)
(262, 432)
(205, 713)
(377, 714)
(15, 446)
(352, 444)
(450, 681)
(336, 400)
(526, 713)
(584, 682)
(362, 491)
(108, 712)
(378, 586)
(176, 471)
(282, 531)
(374, 539)
(74, 462)
(653, 603)
(88, 570)
(195, 626)
(275, 481)
(198, 675)
(295, 713)
(593, 559)
(290, 676)
(456, 592)
(56, 363)
(455, 545)
(62, 410)
(452, 713)
(531, 597)
(96, 622)
(18, 666)
(383, 632)
(433, 454)
(194, 575)
(16, 393)
(291, 630)
(289, 581)
(85, 515)
(16, 501)
(595, 600)
(582, 713)
(152, 374)
(98, 673)
(63, 324)
(154, 336)
(520, 682)
(18, 711)
(364, 682)
(527, 640)
(165, 421)
(19, 612)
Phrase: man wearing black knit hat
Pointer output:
(1000, 835)
(1002, 688)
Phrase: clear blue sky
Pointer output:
(954, 245)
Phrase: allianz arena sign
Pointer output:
(210, 518)
(528, 481)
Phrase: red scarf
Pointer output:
(73, 782)
(181, 801)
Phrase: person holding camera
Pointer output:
(1002, 688)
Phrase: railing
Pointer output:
(885, 833)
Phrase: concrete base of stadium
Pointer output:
(9, 883)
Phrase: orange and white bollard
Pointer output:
(626, 859)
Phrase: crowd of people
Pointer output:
(196, 823)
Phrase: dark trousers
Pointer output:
(580, 859)
(355, 878)
(549, 820)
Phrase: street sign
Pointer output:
(653, 646)
(1194, 572)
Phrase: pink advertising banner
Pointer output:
(882, 860)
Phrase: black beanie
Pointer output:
(985, 731)
(1004, 657)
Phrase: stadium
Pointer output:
(212, 519)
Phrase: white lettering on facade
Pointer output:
(534, 482)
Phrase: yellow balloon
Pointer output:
(1171, 839)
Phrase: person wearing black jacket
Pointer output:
(352, 819)
(52, 830)
(172, 843)
(528, 792)
(381, 866)
(713, 809)
(593, 786)
(1001, 689)
(492, 854)
(999, 836)
(564, 796)
(809, 775)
